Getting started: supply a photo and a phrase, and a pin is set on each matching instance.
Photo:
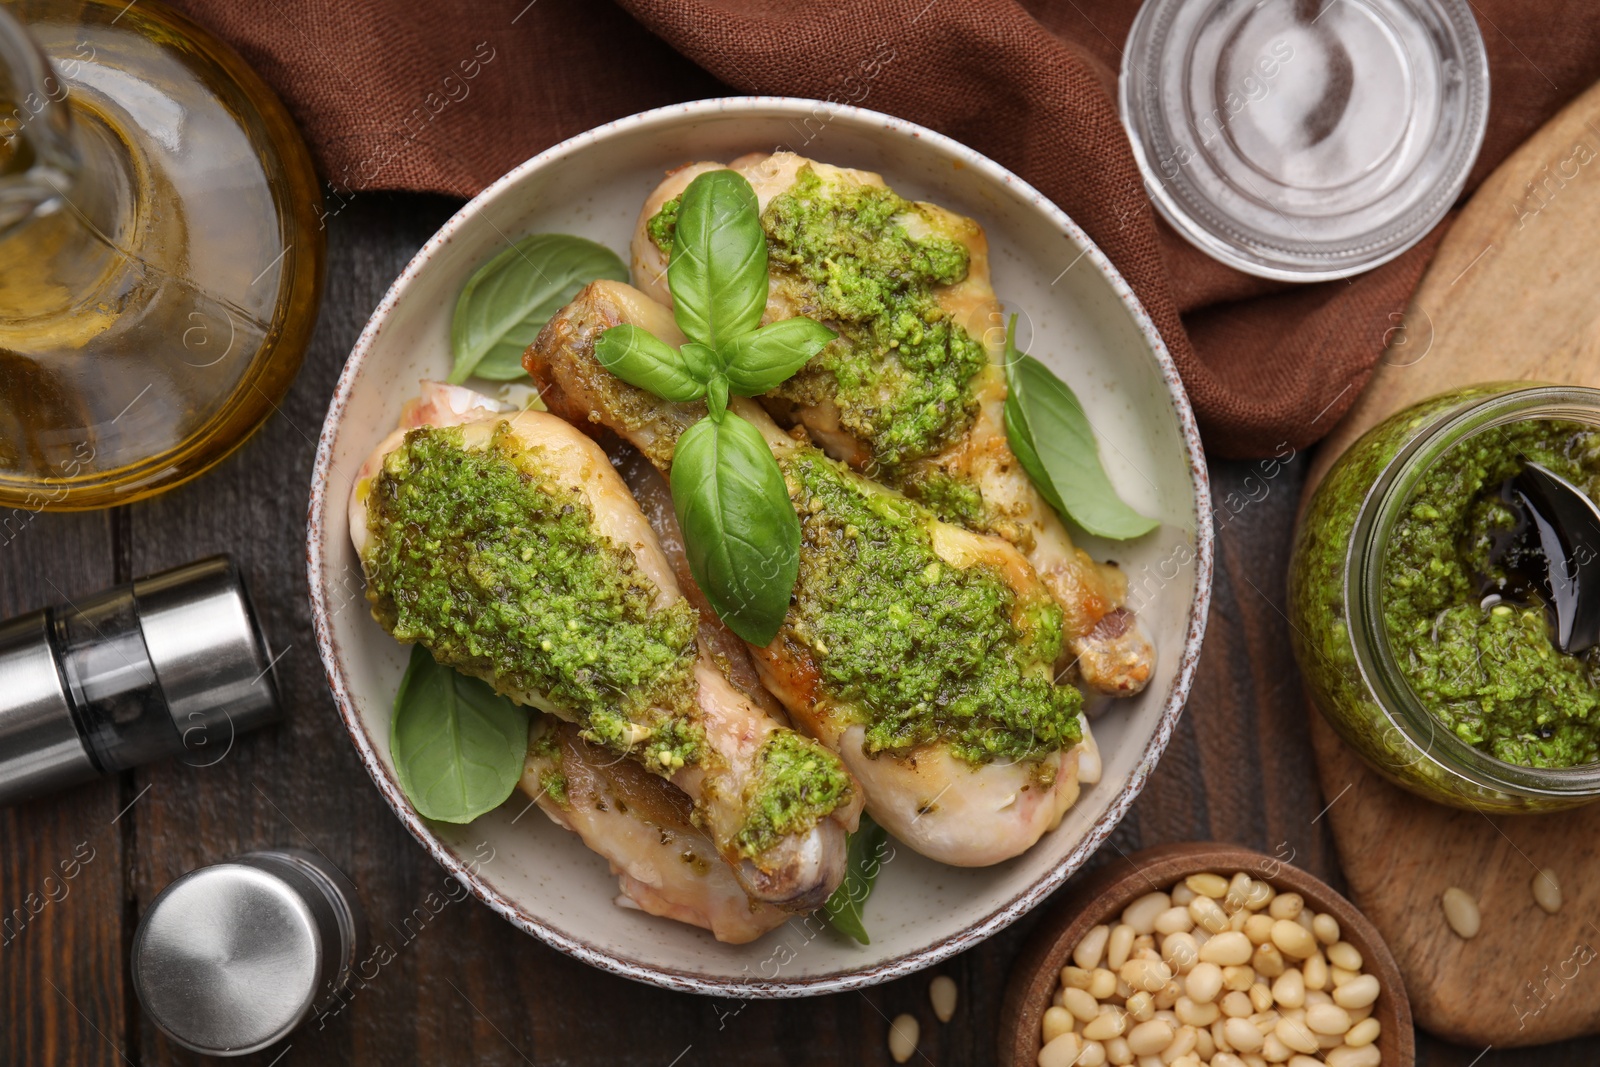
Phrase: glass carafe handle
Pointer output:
(39, 160)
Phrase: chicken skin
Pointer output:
(913, 391)
(936, 687)
(535, 570)
(644, 826)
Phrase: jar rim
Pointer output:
(1369, 544)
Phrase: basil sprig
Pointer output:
(508, 300)
(1052, 439)
(457, 745)
(740, 532)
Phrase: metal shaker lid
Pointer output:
(40, 747)
(233, 957)
(208, 653)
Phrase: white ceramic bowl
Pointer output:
(1085, 323)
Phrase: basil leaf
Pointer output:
(718, 270)
(457, 745)
(864, 856)
(740, 532)
(766, 358)
(639, 358)
(1052, 439)
(508, 300)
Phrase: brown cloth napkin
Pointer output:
(446, 95)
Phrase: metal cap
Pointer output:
(233, 957)
(210, 659)
(40, 747)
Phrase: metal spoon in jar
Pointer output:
(1568, 527)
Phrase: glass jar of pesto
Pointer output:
(1426, 645)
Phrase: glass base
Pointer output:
(153, 315)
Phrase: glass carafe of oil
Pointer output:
(161, 256)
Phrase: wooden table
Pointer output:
(467, 988)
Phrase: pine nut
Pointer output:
(1364, 1032)
(1062, 1052)
(1082, 1006)
(1273, 1050)
(1258, 928)
(1267, 961)
(1286, 906)
(1167, 996)
(1326, 927)
(1230, 948)
(1208, 914)
(1260, 997)
(1204, 983)
(1102, 984)
(1345, 1056)
(1204, 1046)
(1293, 940)
(1141, 914)
(1296, 1034)
(1208, 885)
(1328, 1019)
(1119, 946)
(1093, 946)
(1105, 1026)
(1344, 954)
(1180, 952)
(1461, 912)
(1547, 891)
(1075, 977)
(1236, 1005)
(1228, 1059)
(1238, 979)
(903, 1034)
(1181, 895)
(1243, 1035)
(1191, 1014)
(1118, 1052)
(1093, 1055)
(1148, 1039)
(1141, 1007)
(1174, 921)
(1182, 1045)
(1315, 971)
(942, 991)
(1148, 975)
(1057, 1021)
(1238, 892)
(1304, 1061)
(1358, 993)
(1289, 989)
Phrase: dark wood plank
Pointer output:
(468, 988)
(62, 994)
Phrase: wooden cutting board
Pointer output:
(1514, 293)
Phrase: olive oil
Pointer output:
(160, 254)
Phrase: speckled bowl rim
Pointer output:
(907, 963)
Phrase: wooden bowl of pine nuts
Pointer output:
(1224, 957)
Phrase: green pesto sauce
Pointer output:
(664, 224)
(1493, 675)
(493, 564)
(551, 779)
(925, 651)
(952, 498)
(901, 371)
(796, 783)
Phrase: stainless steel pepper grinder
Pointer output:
(233, 957)
(172, 663)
